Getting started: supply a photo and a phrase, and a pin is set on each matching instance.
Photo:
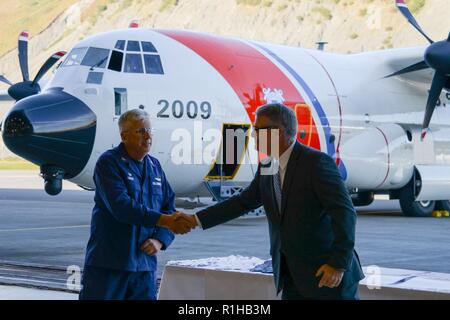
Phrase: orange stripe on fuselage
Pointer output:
(249, 72)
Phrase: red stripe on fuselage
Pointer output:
(248, 72)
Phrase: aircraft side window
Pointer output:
(95, 77)
(153, 64)
(148, 47)
(96, 57)
(75, 57)
(121, 101)
(115, 63)
(133, 63)
(120, 44)
(133, 46)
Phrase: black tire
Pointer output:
(443, 205)
(362, 199)
(413, 208)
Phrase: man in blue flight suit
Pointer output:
(133, 217)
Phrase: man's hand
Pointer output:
(151, 246)
(178, 222)
(190, 218)
(331, 277)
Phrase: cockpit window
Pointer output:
(148, 47)
(115, 63)
(75, 57)
(95, 57)
(153, 64)
(133, 46)
(120, 44)
(133, 63)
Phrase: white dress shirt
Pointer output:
(283, 162)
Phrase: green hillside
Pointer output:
(32, 15)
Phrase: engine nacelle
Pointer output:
(432, 182)
(379, 158)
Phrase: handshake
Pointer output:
(177, 222)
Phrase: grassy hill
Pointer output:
(289, 17)
(31, 15)
(349, 26)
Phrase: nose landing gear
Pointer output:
(52, 176)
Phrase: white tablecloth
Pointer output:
(230, 278)
(189, 283)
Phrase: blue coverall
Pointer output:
(128, 202)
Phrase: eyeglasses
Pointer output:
(256, 129)
(143, 131)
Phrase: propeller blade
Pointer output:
(3, 79)
(438, 83)
(23, 55)
(448, 39)
(403, 7)
(134, 24)
(47, 65)
(414, 67)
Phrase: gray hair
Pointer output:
(282, 116)
(131, 115)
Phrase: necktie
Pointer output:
(277, 189)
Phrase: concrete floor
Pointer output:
(20, 293)
(36, 228)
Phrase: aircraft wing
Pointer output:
(412, 68)
(4, 96)
(421, 79)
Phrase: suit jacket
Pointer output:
(127, 207)
(316, 224)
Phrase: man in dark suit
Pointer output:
(310, 213)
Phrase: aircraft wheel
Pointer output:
(413, 208)
(361, 199)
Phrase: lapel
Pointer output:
(289, 175)
(274, 198)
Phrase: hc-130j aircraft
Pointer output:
(366, 110)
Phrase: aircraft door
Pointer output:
(231, 154)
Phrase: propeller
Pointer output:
(414, 67)
(23, 55)
(403, 7)
(27, 87)
(437, 57)
(3, 79)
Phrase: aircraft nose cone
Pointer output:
(52, 128)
